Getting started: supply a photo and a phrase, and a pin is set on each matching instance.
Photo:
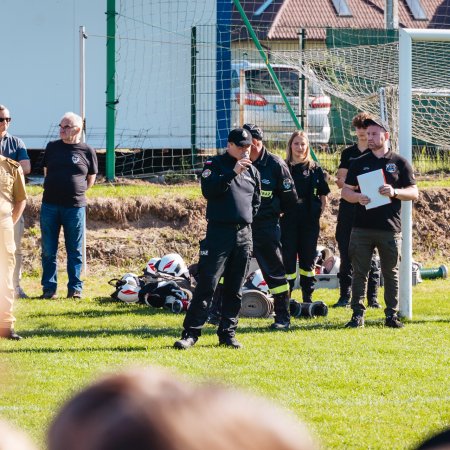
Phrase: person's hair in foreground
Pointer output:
(153, 410)
(13, 439)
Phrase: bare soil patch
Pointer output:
(125, 233)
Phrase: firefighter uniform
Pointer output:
(300, 230)
(232, 202)
(277, 196)
(12, 190)
(343, 230)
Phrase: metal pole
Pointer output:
(110, 88)
(265, 58)
(83, 37)
(405, 145)
(193, 95)
(391, 15)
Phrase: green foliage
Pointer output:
(368, 388)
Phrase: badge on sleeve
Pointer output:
(206, 173)
(287, 183)
(391, 168)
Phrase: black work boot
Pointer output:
(230, 341)
(343, 302)
(187, 341)
(282, 315)
(307, 285)
(393, 322)
(373, 303)
(357, 321)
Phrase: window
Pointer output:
(342, 8)
(260, 82)
(263, 7)
(416, 9)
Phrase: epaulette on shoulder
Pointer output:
(12, 162)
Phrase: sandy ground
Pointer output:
(126, 233)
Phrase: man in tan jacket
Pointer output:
(12, 203)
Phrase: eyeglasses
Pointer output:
(66, 127)
(5, 119)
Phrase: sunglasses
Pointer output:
(5, 119)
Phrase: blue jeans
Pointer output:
(72, 221)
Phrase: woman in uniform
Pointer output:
(300, 229)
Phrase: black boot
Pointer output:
(282, 316)
(307, 285)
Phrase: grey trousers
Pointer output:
(362, 244)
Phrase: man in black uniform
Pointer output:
(277, 196)
(345, 222)
(378, 227)
(231, 186)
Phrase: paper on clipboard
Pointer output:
(369, 183)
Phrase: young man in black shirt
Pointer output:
(70, 168)
(378, 227)
(232, 188)
(345, 222)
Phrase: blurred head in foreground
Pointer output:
(13, 439)
(153, 410)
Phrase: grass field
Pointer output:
(190, 190)
(372, 388)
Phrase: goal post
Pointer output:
(406, 39)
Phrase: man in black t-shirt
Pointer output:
(345, 222)
(70, 168)
(379, 227)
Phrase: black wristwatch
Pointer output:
(395, 194)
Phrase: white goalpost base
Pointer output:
(406, 37)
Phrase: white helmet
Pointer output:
(256, 281)
(131, 278)
(152, 266)
(172, 264)
(129, 292)
(332, 265)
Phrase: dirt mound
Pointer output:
(125, 233)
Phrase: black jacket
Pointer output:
(278, 194)
(232, 198)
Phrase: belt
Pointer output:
(235, 226)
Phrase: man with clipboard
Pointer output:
(391, 182)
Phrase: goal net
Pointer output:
(367, 77)
(186, 73)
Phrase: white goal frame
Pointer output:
(406, 38)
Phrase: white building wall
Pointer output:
(39, 79)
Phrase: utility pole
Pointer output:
(391, 15)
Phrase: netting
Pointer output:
(365, 76)
(187, 74)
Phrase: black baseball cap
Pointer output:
(240, 137)
(374, 121)
(255, 131)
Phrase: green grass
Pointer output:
(372, 388)
(111, 190)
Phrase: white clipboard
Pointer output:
(369, 183)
